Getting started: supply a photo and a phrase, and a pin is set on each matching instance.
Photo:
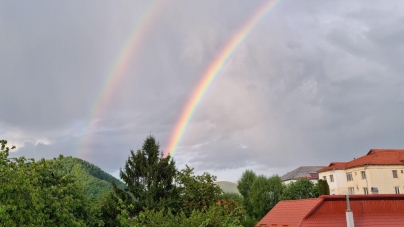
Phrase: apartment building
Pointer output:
(380, 171)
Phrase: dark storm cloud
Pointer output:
(314, 82)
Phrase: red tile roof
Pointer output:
(373, 157)
(329, 211)
(379, 157)
(289, 212)
(333, 165)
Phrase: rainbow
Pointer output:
(117, 72)
(210, 74)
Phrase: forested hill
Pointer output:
(228, 186)
(93, 179)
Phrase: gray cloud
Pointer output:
(314, 82)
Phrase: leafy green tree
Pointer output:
(323, 187)
(237, 198)
(149, 177)
(109, 207)
(301, 189)
(215, 216)
(265, 194)
(34, 193)
(197, 192)
(244, 187)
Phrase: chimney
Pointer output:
(349, 214)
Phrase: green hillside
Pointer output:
(228, 186)
(93, 179)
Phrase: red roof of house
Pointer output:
(289, 212)
(373, 157)
(333, 165)
(379, 157)
(329, 211)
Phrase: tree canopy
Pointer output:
(67, 191)
(149, 177)
(35, 193)
(265, 194)
(323, 187)
(301, 189)
(244, 187)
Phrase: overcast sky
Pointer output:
(315, 81)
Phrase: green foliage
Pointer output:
(215, 216)
(249, 221)
(95, 181)
(149, 177)
(156, 189)
(196, 192)
(244, 187)
(108, 207)
(265, 194)
(34, 193)
(323, 187)
(237, 198)
(301, 189)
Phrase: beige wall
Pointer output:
(376, 176)
(338, 187)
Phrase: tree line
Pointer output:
(155, 193)
(261, 193)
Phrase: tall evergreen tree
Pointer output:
(149, 177)
(323, 187)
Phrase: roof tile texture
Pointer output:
(289, 212)
(373, 157)
(333, 165)
(329, 211)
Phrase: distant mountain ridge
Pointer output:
(93, 179)
(228, 187)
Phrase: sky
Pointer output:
(314, 81)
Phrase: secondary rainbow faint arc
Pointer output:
(120, 65)
(210, 74)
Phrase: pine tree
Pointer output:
(323, 187)
(150, 177)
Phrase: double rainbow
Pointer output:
(118, 69)
(210, 74)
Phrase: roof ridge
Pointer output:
(320, 200)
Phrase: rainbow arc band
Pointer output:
(212, 72)
(118, 69)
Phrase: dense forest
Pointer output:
(68, 191)
(91, 178)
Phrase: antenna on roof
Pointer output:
(349, 214)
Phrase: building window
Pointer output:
(331, 178)
(349, 176)
(397, 189)
(395, 174)
(365, 191)
(363, 174)
(324, 177)
(374, 190)
(351, 191)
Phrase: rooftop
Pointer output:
(373, 157)
(329, 211)
(303, 171)
(333, 165)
